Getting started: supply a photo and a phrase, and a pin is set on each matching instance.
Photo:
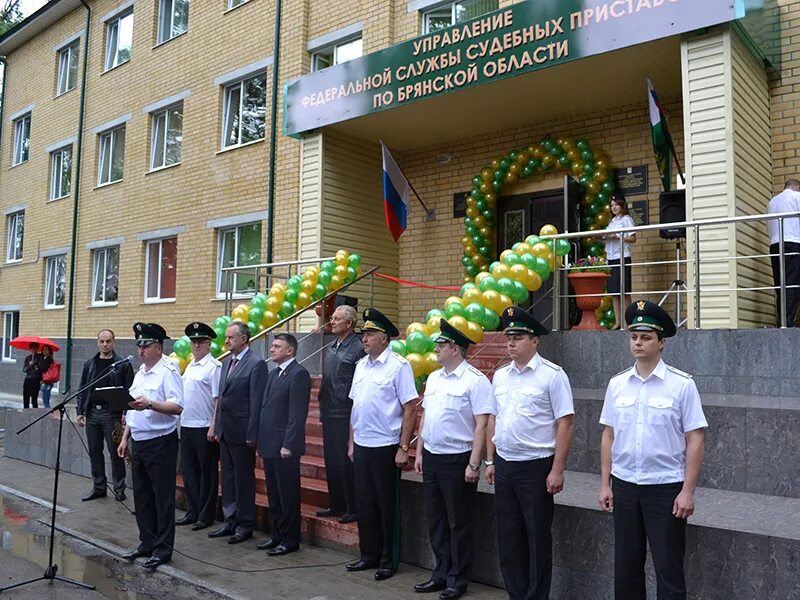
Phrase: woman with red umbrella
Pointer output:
(33, 376)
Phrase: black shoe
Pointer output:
(347, 518)
(382, 574)
(238, 538)
(154, 562)
(281, 550)
(185, 520)
(329, 513)
(134, 554)
(269, 544)
(93, 496)
(430, 586)
(198, 526)
(221, 532)
(360, 565)
(452, 593)
(120, 496)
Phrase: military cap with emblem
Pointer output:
(451, 334)
(644, 315)
(200, 331)
(149, 333)
(375, 320)
(518, 320)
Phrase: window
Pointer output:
(105, 275)
(165, 147)
(173, 19)
(16, 230)
(55, 274)
(68, 68)
(112, 156)
(119, 40)
(336, 55)
(456, 12)
(10, 331)
(245, 111)
(60, 172)
(160, 269)
(22, 139)
(238, 247)
(235, 3)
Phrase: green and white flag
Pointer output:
(662, 141)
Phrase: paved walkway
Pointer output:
(239, 571)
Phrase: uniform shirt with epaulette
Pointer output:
(162, 383)
(529, 402)
(451, 402)
(380, 389)
(650, 418)
(200, 387)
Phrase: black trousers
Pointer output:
(792, 266)
(200, 463)
(238, 486)
(338, 466)
(100, 425)
(449, 501)
(377, 482)
(282, 476)
(643, 513)
(153, 466)
(524, 520)
(30, 392)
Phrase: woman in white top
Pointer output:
(621, 219)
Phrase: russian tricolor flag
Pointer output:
(395, 195)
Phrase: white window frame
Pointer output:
(163, 115)
(439, 11)
(66, 55)
(111, 59)
(220, 254)
(163, 13)
(13, 221)
(53, 266)
(22, 139)
(240, 84)
(234, 3)
(96, 254)
(10, 331)
(109, 137)
(57, 191)
(334, 49)
(158, 246)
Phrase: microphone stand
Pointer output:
(50, 573)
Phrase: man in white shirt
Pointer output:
(199, 449)
(650, 456)
(526, 453)
(152, 424)
(787, 201)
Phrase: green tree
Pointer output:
(10, 14)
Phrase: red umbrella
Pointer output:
(23, 342)
(43, 341)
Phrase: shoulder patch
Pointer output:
(216, 362)
(474, 370)
(622, 372)
(679, 372)
(552, 365)
(399, 358)
(170, 365)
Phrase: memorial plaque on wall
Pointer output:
(460, 205)
(639, 212)
(631, 181)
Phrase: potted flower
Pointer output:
(588, 277)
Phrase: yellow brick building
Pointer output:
(183, 90)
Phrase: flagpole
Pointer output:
(677, 162)
(431, 214)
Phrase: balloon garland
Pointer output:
(282, 300)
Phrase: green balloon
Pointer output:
(290, 296)
(294, 283)
(419, 383)
(491, 320)
(433, 337)
(352, 274)
(417, 342)
(520, 292)
(182, 347)
(258, 301)
(609, 315)
(505, 286)
(216, 349)
(256, 314)
(488, 283)
(512, 259)
(454, 310)
(220, 331)
(398, 347)
(220, 322)
(532, 240)
(287, 309)
(465, 287)
(434, 312)
(354, 261)
(540, 266)
(596, 249)
(472, 270)
(466, 260)
(563, 247)
(474, 312)
(528, 259)
(493, 265)
(319, 291)
(253, 327)
(324, 278)
(327, 265)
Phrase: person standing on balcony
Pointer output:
(787, 201)
(650, 456)
(281, 418)
(527, 449)
(335, 406)
(382, 424)
(458, 401)
(615, 254)
(241, 387)
(199, 450)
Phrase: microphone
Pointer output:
(127, 359)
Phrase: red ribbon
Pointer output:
(447, 288)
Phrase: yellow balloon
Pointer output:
(273, 303)
(341, 271)
(548, 230)
(505, 253)
(431, 362)
(309, 274)
(523, 248)
(435, 323)
(605, 303)
(474, 332)
(241, 312)
(481, 276)
(308, 286)
(417, 363)
(505, 302)
(342, 256)
(540, 250)
(452, 299)
(459, 323)
(491, 300)
(471, 295)
(415, 327)
(519, 273)
(303, 300)
(501, 271)
(336, 283)
(278, 290)
(270, 318)
(534, 281)
(173, 357)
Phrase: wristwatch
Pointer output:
(150, 404)
(404, 447)
(488, 463)
(474, 468)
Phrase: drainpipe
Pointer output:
(77, 187)
(3, 93)
(273, 131)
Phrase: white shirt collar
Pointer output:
(532, 364)
(457, 372)
(384, 356)
(285, 364)
(660, 371)
(241, 354)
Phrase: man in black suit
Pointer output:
(281, 420)
(241, 386)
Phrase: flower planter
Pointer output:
(584, 285)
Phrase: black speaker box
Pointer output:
(672, 209)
